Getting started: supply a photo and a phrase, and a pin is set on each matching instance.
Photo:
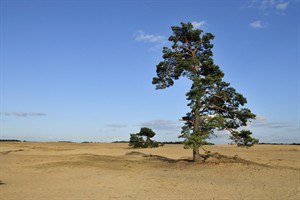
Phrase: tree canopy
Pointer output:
(215, 105)
(148, 132)
(137, 140)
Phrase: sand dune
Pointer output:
(114, 171)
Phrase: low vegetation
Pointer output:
(143, 139)
(10, 140)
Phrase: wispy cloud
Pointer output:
(256, 24)
(142, 36)
(262, 121)
(23, 114)
(116, 126)
(198, 24)
(265, 4)
(167, 126)
(270, 6)
(274, 131)
(156, 40)
(282, 6)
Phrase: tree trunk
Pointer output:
(196, 155)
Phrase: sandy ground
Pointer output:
(64, 171)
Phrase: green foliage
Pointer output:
(10, 140)
(137, 140)
(148, 132)
(214, 104)
(243, 138)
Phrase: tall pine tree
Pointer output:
(214, 104)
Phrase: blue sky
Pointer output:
(82, 70)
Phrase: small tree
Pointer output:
(243, 138)
(137, 141)
(214, 104)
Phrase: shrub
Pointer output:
(137, 140)
(243, 138)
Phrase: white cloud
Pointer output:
(167, 126)
(262, 121)
(158, 40)
(22, 114)
(142, 36)
(274, 131)
(116, 126)
(265, 4)
(158, 46)
(282, 6)
(256, 24)
(269, 6)
(198, 24)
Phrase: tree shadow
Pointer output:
(210, 158)
(157, 157)
(2, 183)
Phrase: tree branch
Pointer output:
(220, 97)
(190, 49)
(220, 108)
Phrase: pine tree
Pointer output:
(137, 140)
(214, 104)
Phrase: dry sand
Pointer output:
(64, 171)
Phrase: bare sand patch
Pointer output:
(114, 171)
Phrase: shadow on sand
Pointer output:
(211, 158)
(157, 157)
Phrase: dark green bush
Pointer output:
(243, 138)
(137, 140)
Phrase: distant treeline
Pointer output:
(65, 141)
(11, 140)
(280, 143)
(176, 142)
(122, 141)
